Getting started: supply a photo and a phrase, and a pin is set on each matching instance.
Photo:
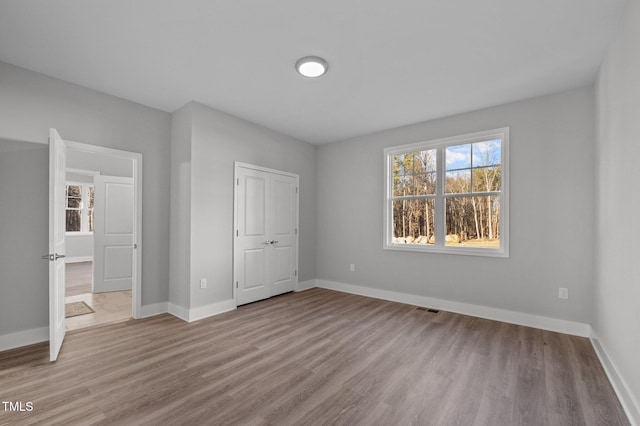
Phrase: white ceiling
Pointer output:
(392, 62)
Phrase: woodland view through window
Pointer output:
(79, 208)
(449, 195)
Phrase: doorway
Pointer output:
(98, 180)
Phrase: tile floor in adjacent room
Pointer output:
(109, 307)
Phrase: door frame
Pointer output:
(236, 166)
(136, 290)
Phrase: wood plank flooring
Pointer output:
(78, 278)
(313, 358)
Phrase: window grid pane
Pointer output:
(473, 221)
(74, 221)
(413, 221)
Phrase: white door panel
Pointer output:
(118, 262)
(254, 200)
(250, 250)
(57, 228)
(283, 194)
(254, 268)
(265, 247)
(284, 253)
(113, 234)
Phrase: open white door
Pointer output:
(113, 234)
(57, 176)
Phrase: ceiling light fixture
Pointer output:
(312, 66)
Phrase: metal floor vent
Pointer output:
(433, 311)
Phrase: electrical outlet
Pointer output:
(203, 283)
(352, 267)
(563, 293)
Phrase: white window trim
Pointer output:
(84, 211)
(439, 227)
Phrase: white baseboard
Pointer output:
(178, 311)
(305, 285)
(202, 312)
(78, 259)
(153, 310)
(23, 338)
(629, 404)
(529, 320)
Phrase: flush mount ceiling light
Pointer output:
(312, 66)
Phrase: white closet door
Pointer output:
(252, 243)
(265, 247)
(284, 248)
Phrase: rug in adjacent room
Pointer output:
(77, 308)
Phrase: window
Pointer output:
(449, 195)
(79, 207)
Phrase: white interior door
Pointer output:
(113, 234)
(252, 236)
(265, 247)
(57, 224)
(283, 256)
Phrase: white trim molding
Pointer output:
(305, 285)
(630, 405)
(23, 338)
(147, 311)
(512, 317)
(78, 259)
(202, 312)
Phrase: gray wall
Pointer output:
(31, 103)
(217, 140)
(105, 164)
(551, 223)
(180, 264)
(78, 246)
(617, 289)
(24, 231)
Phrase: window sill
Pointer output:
(464, 251)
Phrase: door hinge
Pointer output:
(296, 231)
(296, 189)
(236, 284)
(296, 273)
(237, 233)
(238, 181)
(135, 246)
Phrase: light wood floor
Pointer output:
(109, 307)
(316, 357)
(79, 276)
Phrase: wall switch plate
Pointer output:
(203, 283)
(563, 293)
(352, 267)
